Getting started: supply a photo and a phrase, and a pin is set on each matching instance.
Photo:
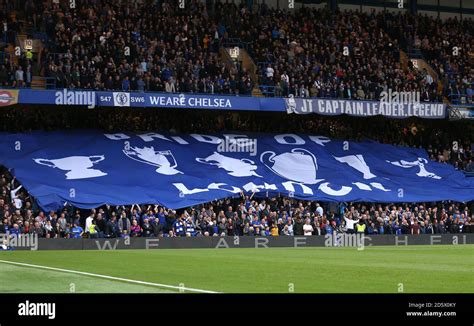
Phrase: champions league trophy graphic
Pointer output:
(299, 165)
(164, 160)
(78, 167)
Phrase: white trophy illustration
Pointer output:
(420, 163)
(299, 165)
(78, 167)
(237, 168)
(164, 160)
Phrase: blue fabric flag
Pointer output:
(89, 168)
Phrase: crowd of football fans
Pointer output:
(355, 55)
(347, 55)
(122, 45)
(157, 46)
(134, 47)
(449, 48)
(446, 142)
(243, 216)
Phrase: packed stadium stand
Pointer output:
(307, 52)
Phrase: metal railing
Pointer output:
(50, 82)
(414, 53)
(461, 99)
(233, 42)
(267, 90)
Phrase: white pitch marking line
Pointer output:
(107, 277)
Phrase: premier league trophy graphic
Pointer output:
(78, 167)
(164, 160)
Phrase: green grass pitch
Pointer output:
(413, 269)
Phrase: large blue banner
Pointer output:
(94, 99)
(88, 169)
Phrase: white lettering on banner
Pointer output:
(222, 244)
(117, 136)
(151, 136)
(284, 139)
(185, 191)
(321, 106)
(207, 139)
(289, 186)
(324, 187)
(307, 106)
(320, 140)
(299, 241)
(253, 187)
(329, 107)
(298, 166)
(366, 108)
(270, 186)
(208, 102)
(217, 186)
(261, 242)
(362, 186)
(182, 101)
(168, 101)
(297, 140)
(240, 140)
(180, 140)
(359, 108)
(379, 186)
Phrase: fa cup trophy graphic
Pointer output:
(78, 167)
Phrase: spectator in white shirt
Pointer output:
(269, 72)
(350, 224)
(19, 76)
(16, 200)
(307, 227)
(319, 210)
(89, 220)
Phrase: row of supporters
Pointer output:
(307, 52)
(245, 216)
